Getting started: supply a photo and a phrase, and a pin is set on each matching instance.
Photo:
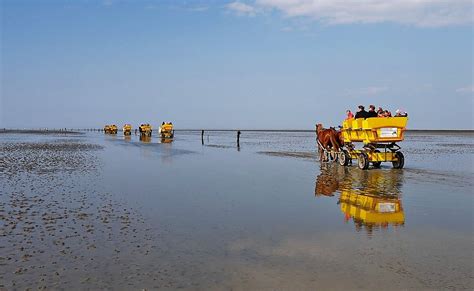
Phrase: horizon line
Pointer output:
(236, 129)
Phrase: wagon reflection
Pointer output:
(371, 199)
(145, 138)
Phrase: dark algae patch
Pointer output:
(58, 228)
(40, 131)
(301, 155)
(37, 158)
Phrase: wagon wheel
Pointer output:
(344, 158)
(363, 161)
(326, 156)
(333, 156)
(377, 164)
(400, 162)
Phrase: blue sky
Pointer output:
(226, 64)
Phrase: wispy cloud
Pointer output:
(421, 13)
(467, 89)
(241, 8)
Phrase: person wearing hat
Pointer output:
(361, 113)
(400, 113)
(372, 112)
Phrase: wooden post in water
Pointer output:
(202, 137)
(238, 138)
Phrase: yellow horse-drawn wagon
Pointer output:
(145, 129)
(166, 130)
(127, 129)
(379, 136)
(110, 129)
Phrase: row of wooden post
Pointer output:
(202, 135)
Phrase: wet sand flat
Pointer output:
(59, 229)
(95, 211)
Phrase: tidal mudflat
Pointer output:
(94, 211)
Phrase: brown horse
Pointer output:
(339, 138)
(327, 139)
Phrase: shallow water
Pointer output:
(266, 215)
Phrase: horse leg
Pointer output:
(321, 153)
(327, 147)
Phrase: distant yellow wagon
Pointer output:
(166, 130)
(127, 129)
(110, 129)
(379, 136)
(145, 129)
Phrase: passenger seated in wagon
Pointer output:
(380, 112)
(361, 113)
(349, 114)
(371, 112)
(400, 113)
(387, 113)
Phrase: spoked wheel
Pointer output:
(400, 162)
(344, 158)
(363, 161)
(326, 156)
(377, 164)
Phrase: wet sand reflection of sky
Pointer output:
(214, 217)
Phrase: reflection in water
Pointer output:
(127, 138)
(372, 199)
(145, 138)
(328, 180)
(166, 140)
(167, 155)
